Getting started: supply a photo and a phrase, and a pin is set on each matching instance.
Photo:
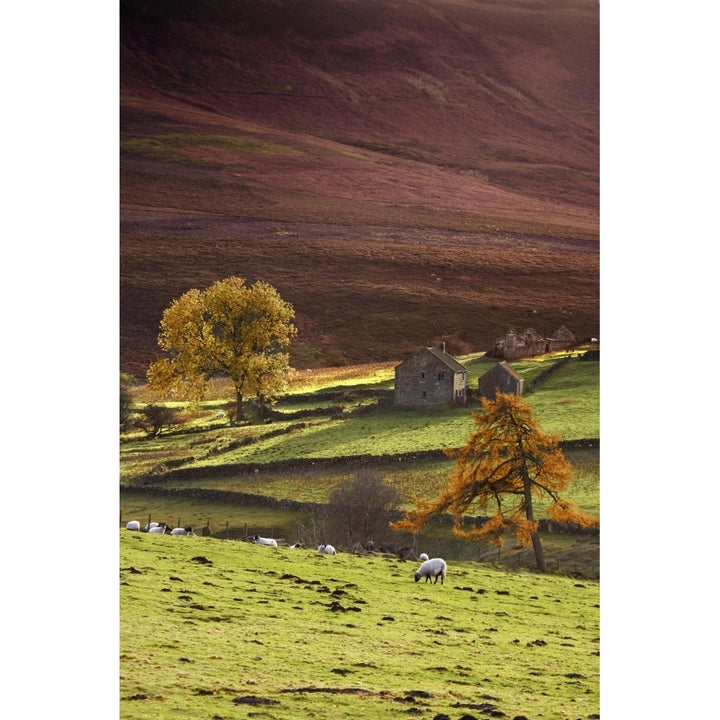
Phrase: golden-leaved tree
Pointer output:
(230, 329)
(507, 462)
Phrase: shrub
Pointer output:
(361, 507)
(153, 419)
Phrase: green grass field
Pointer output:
(277, 455)
(568, 403)
(228, 629)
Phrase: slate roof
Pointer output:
(449, 360)
(509, 370)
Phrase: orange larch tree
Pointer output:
(507, 462)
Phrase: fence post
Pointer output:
(227, 530)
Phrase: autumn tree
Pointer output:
(507, 462)
(230, 329)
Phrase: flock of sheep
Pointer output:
(159, 528)
(430, 568)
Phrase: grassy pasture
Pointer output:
(567, 402)
(213, 628)
(423, 479)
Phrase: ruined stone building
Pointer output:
(528, 343)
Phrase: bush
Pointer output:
(126, 400)
(361, 507)
(153, 419)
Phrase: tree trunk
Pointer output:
(238, 406)
(537, 545)
(539, 554)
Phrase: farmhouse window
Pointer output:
(441, 377)
(422, 375)
(424, 394)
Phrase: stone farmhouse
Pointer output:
(500, 378)
(430, 377)
(529, 343)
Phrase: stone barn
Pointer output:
(500, 378)
(430, 377)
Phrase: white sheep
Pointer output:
(436, 568)
(150, 526)
(265, 541)
(325, 549)
(424, 557)
(133, 525)
(182, 531)
(159, 529)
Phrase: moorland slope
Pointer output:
(400, 172)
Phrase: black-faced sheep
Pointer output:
(325, 549)
(133, 525)
(265, 541)
(182, 531)
(436, 568)
(159, 529)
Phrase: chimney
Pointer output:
(441, 347)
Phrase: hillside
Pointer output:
(399, 172)
(216, 629)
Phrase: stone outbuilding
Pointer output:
(500, 378)
(430, 377)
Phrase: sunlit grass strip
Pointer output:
(207, 624)
(171, 146)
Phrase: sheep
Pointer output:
(326, 549)
(182, 531)
(150, 526)
(436, 568)
(159, 529)
(297, 544)
(424, 557)
(265, 541)
(133, 525)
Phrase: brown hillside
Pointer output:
(399, 171)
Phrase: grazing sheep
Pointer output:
(424, 557)
(150, 526)
(297, 544)
(265, 541)
(326, 549)
(133, 525)
(436, 568)
(182, 531)
(159, 529)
